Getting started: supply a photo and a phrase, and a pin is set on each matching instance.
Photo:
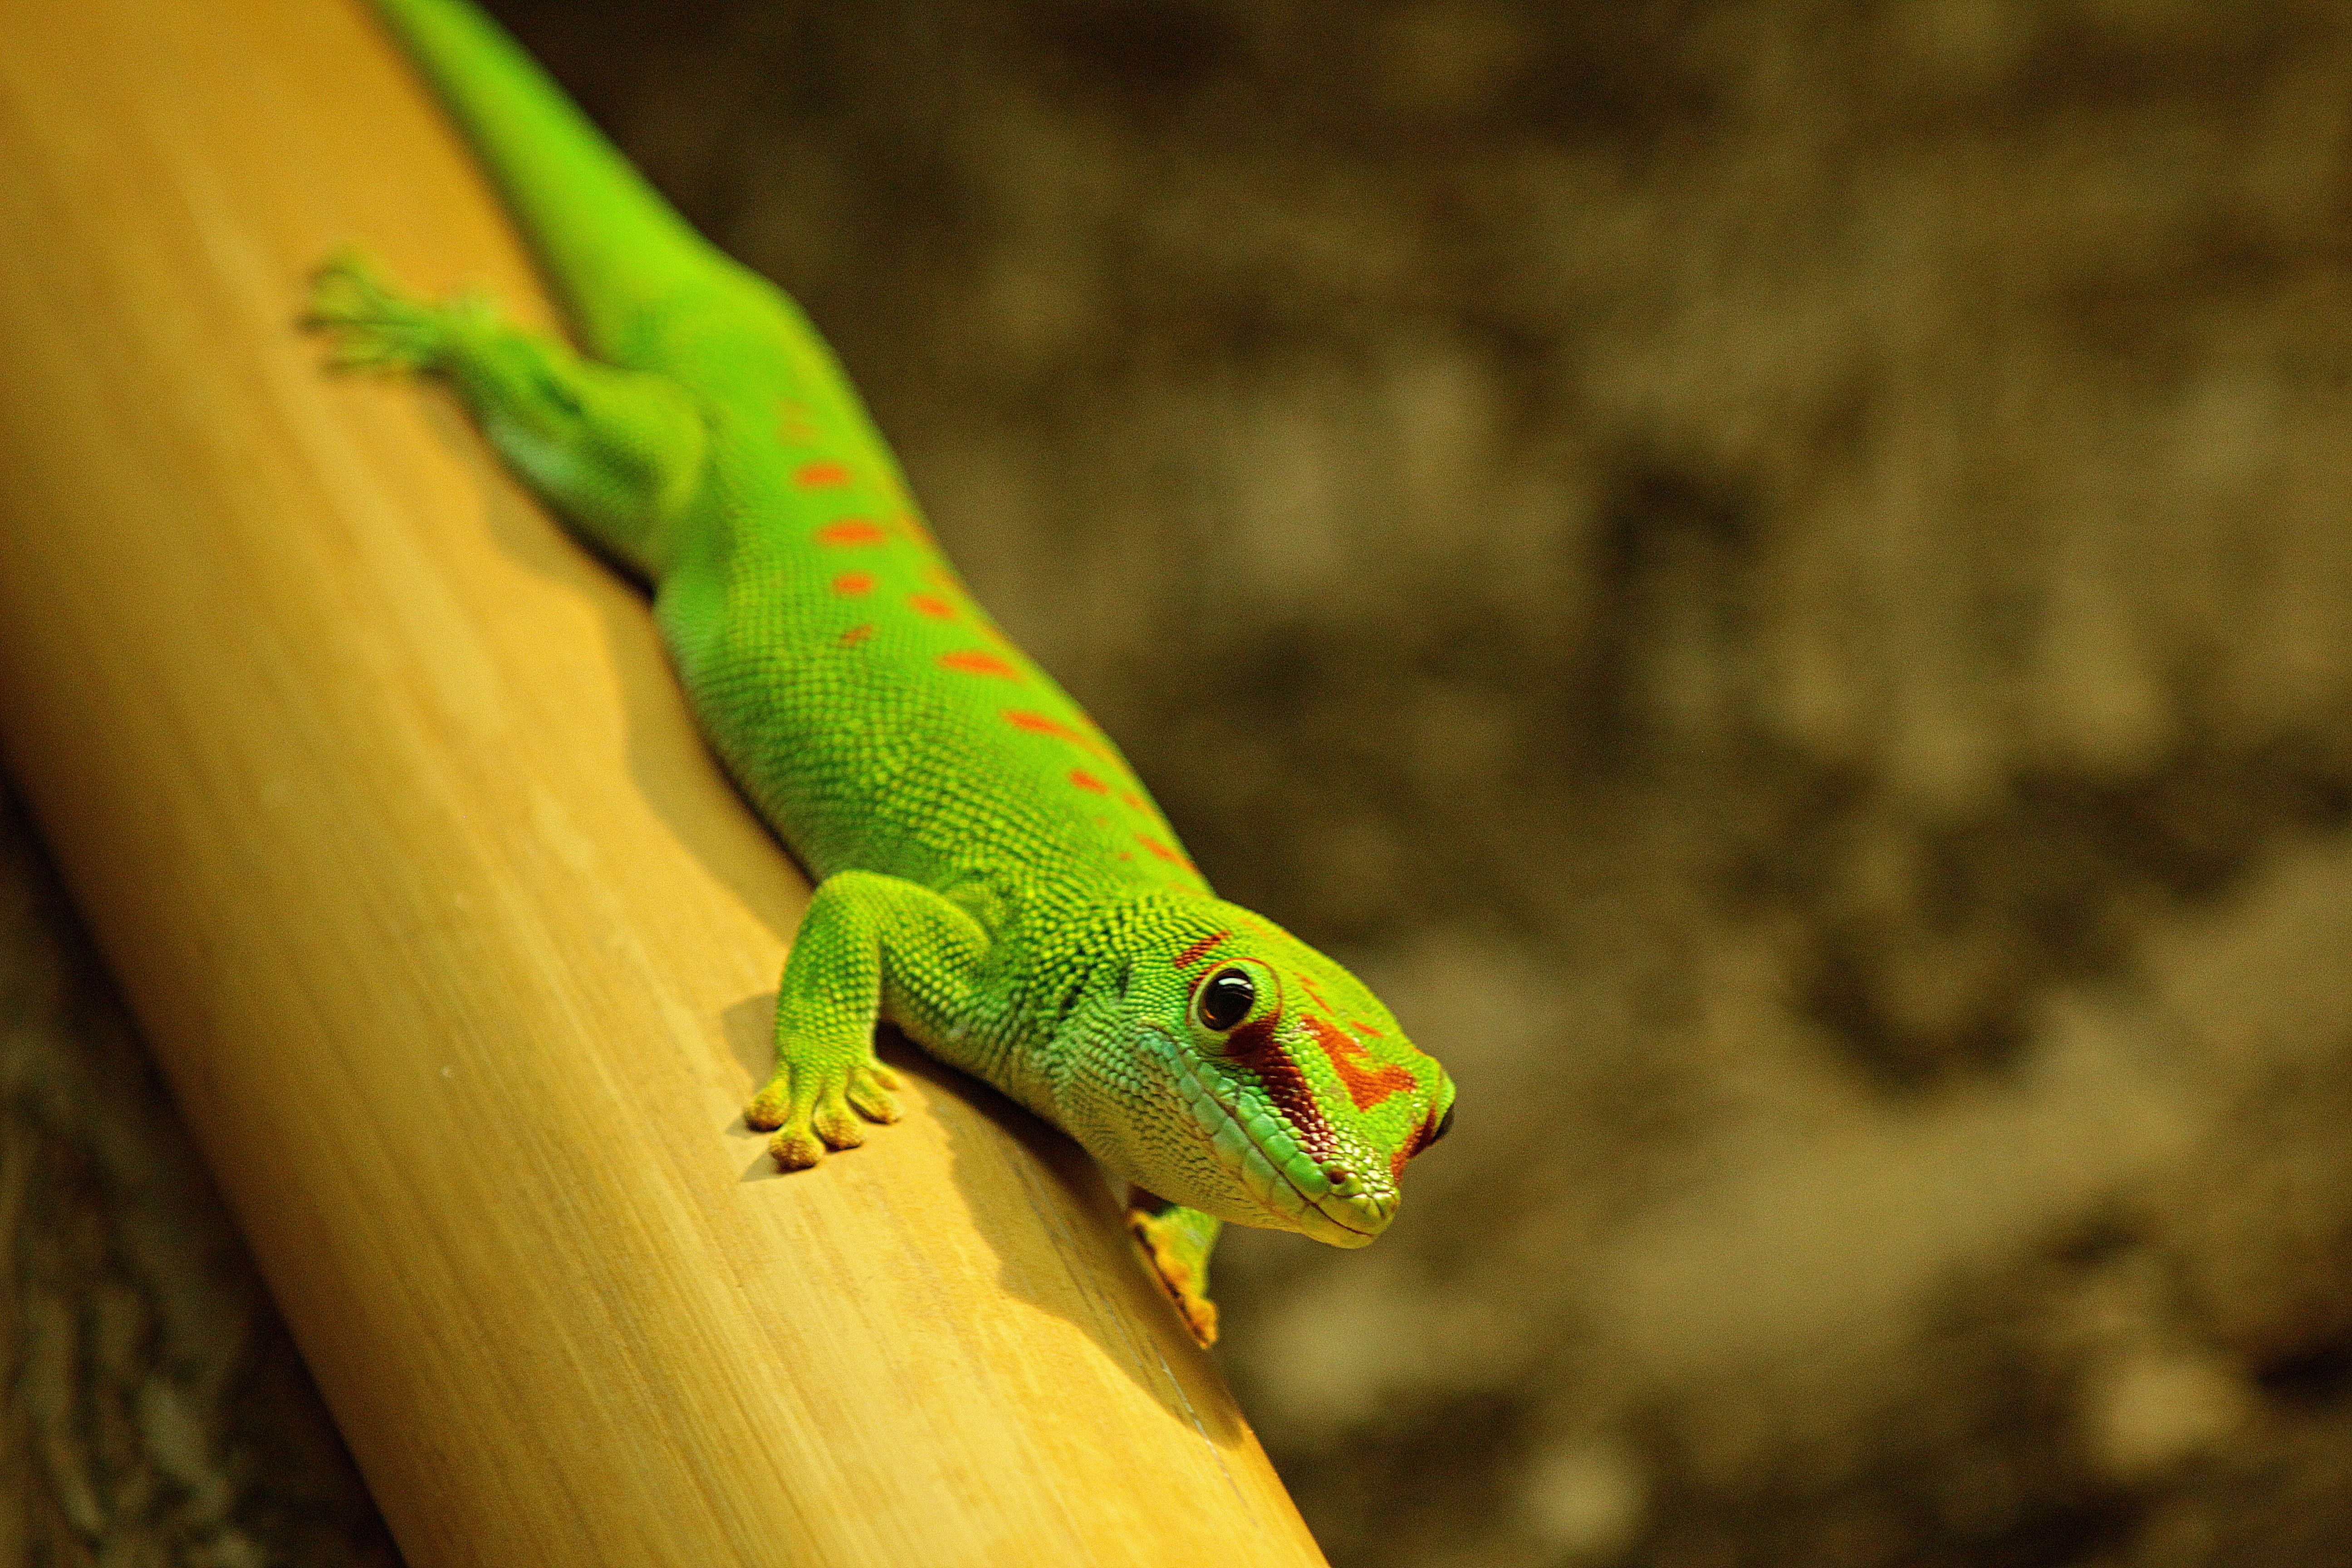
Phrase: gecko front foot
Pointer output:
(1176, 1242)
(809, 1109)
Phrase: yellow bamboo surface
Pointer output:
(457, 947)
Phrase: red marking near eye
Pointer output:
(1315, 995)
(1038, 724)
(1162, 850)
(852, 530)
(822, 476)
(1253, 1046)
(1200, 950)
(974, 662)
(856, 635)
(1367, 1085)
(850, 584)
(926, 605)
(1087, 782)
(1363, 1028)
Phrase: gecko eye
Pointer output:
(1226, 999)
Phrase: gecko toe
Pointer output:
(870, 1094)
(768, 1110)
(838, 1127)
(795, 1149)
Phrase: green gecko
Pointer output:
(991, 876)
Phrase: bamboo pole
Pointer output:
(455, 945)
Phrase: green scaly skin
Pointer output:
(992, 876)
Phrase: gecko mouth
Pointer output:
(1240, 1143)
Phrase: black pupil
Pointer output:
(1227, 999)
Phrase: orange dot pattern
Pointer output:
(972, 661)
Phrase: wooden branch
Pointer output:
(457, 947)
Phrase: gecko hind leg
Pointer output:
(620, 454)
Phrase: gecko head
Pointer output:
(1226, 1066)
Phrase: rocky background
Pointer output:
(1778, 576)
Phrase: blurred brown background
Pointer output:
(1777, 575)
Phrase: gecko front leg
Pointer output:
(870, 946)
(1176, 1242)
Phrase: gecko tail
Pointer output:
(613, 249)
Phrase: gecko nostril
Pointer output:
(1338, 1175)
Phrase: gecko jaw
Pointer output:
(1241, 1148)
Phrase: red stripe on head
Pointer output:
(852, 530)
(1366, 1085)
(1087, 782)
(1253, 1046)
(1198, 949)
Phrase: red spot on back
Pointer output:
(1368, 1082)
(1198, 949)
(1127, 798)
(939, 609)
(1039, 724)
(1087, 782)
(852, 583)
(822, 476)
(852, 530)
(974, 662)
(1162, 850)
(794, 426)
(856, 635)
